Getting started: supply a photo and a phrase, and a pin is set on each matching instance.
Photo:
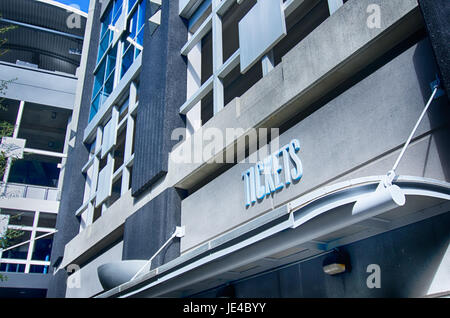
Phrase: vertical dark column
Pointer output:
(162, 91)
(151, 226)
(73, 185)
(436, 15)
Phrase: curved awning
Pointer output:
(311, 225)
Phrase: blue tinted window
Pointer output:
(141, 10)
(109, 86)
(140, 38)
(94, 107)
(107, 55)
(117, 11)
(127, 59)
(111, 61)
(99, 78)
(131, 4)
(12, 268)
(134, 39)
(133, 25)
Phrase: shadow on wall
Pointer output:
(439, 111)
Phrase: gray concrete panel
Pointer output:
(38, 86)
(370, 120)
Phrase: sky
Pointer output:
(84, 4)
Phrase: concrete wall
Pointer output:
(163, 90)
(24, 281)
(151, 226)
(383, 108)
(85, 282)
(436, 13)
(334, 52)
(38, 86)
(409, 266)
(363, 127)
(274, 93)
(74, 182)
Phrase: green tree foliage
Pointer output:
(6, 130)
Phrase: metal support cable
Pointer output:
(391, 174)
(20, 244)
(178, 233)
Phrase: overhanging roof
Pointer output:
(308, 226)
(45, 29)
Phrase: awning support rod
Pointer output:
(391, 174)
(179, 232)
(20, 244)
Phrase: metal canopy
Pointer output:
(305, 227)
(45, 33)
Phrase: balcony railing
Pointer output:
(15, 190)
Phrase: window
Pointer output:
(106, 58)
(117, 52)
(131, 4)
(133, 40)
(103, 81)
(109, 167)
(214, 77)
(30, 250)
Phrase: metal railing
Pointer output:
(15, 190)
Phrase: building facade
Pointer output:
(39, 61)
(258, 149)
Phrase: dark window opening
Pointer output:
(116, 190)
(35, 170)
(97, 213)
(42, 247)
(119, 150)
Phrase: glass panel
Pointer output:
(99, 78)
(36, 193)
(111, 61)
(127, 60)
(14, 191)
(95, 106)
(131, 4)
(104, 45)
(36, 170)
(141, 10)
(115, 192)
(21, 251)
(136, 54)
(117, 10)
(52, 195)
(12, 268)
(109, 85)
(47, 220)
(104, 184)
(24, 218)
(119, 150)
(127, 43)
(106, 22)
(38, 269)
(122, 110)
(103, 97)
(133, 25)
(140, 38)
(42, 247)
